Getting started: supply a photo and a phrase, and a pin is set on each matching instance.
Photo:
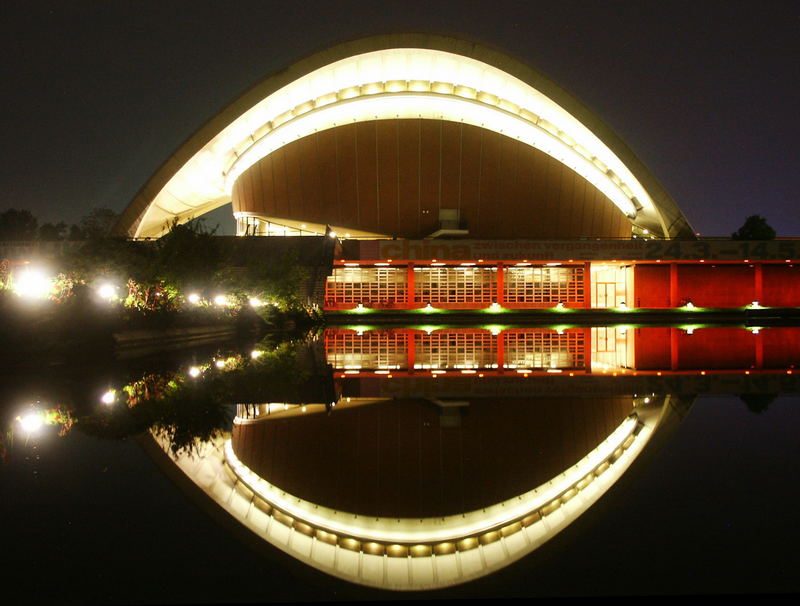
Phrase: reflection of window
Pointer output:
(536, 349)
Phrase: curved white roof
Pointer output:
(430, 77)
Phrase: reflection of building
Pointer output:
(496, 351)
(443, 165)
(364, 513)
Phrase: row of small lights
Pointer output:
(33, 421)
(34, 284)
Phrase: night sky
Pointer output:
(98, 94)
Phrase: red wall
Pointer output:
(651, 285)
(781, 286)
(716, 285)
(716, 348)
(652, 347)
(781, 346)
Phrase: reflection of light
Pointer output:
(193, 298)
(428, 308)
(689, 305)
(194, 371)
(755, 305)
(109, 397)
(495, 307)
(754, 330)
(107, 291)
(360, 308)
(31, 422)
(32, 283)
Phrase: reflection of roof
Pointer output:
(414, 553)
(410, 458)
(398, 76)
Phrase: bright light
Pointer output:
(31, 422)
(255, 354)
(689, 305)
(428, 308)
(332, 234)
(221, 300)
(360, 308)
(495, 307)
(220, 363)
(622, 306)
(193, 298)
(256, 302)
(755, 305)
(109, 397)
(32, 284)
(194, 371)
(347, 235)
(560, 305)
(107, 291)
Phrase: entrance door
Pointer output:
(606, 294)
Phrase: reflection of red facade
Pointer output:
(531, 351)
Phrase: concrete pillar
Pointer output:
(587, 285)
(500, 284)
(410, 303)
(673, 285)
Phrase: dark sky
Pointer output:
(98, 94)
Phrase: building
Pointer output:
(458, 177)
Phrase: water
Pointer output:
(707, 508)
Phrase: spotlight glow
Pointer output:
(109, 397)
(31, 422)
(221, 300)
(107, 291)
(193, 298)
(32, 284)
(194, 371)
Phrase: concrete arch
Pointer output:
(393, 76)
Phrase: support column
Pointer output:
(587, 349)
(759, 350)
(501, 351)
(500, 284)
(673, 348)
(673, 285)
(411, 350)
(587, 285)
(758, 291)
(410, 303)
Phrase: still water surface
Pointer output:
(96, 515)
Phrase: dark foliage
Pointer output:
(754, 228)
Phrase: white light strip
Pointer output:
(435, 107)
(318, 98)
(429, 530)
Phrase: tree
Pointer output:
(754, 228)
(98, 223)
(50, 232)
(18, 225)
